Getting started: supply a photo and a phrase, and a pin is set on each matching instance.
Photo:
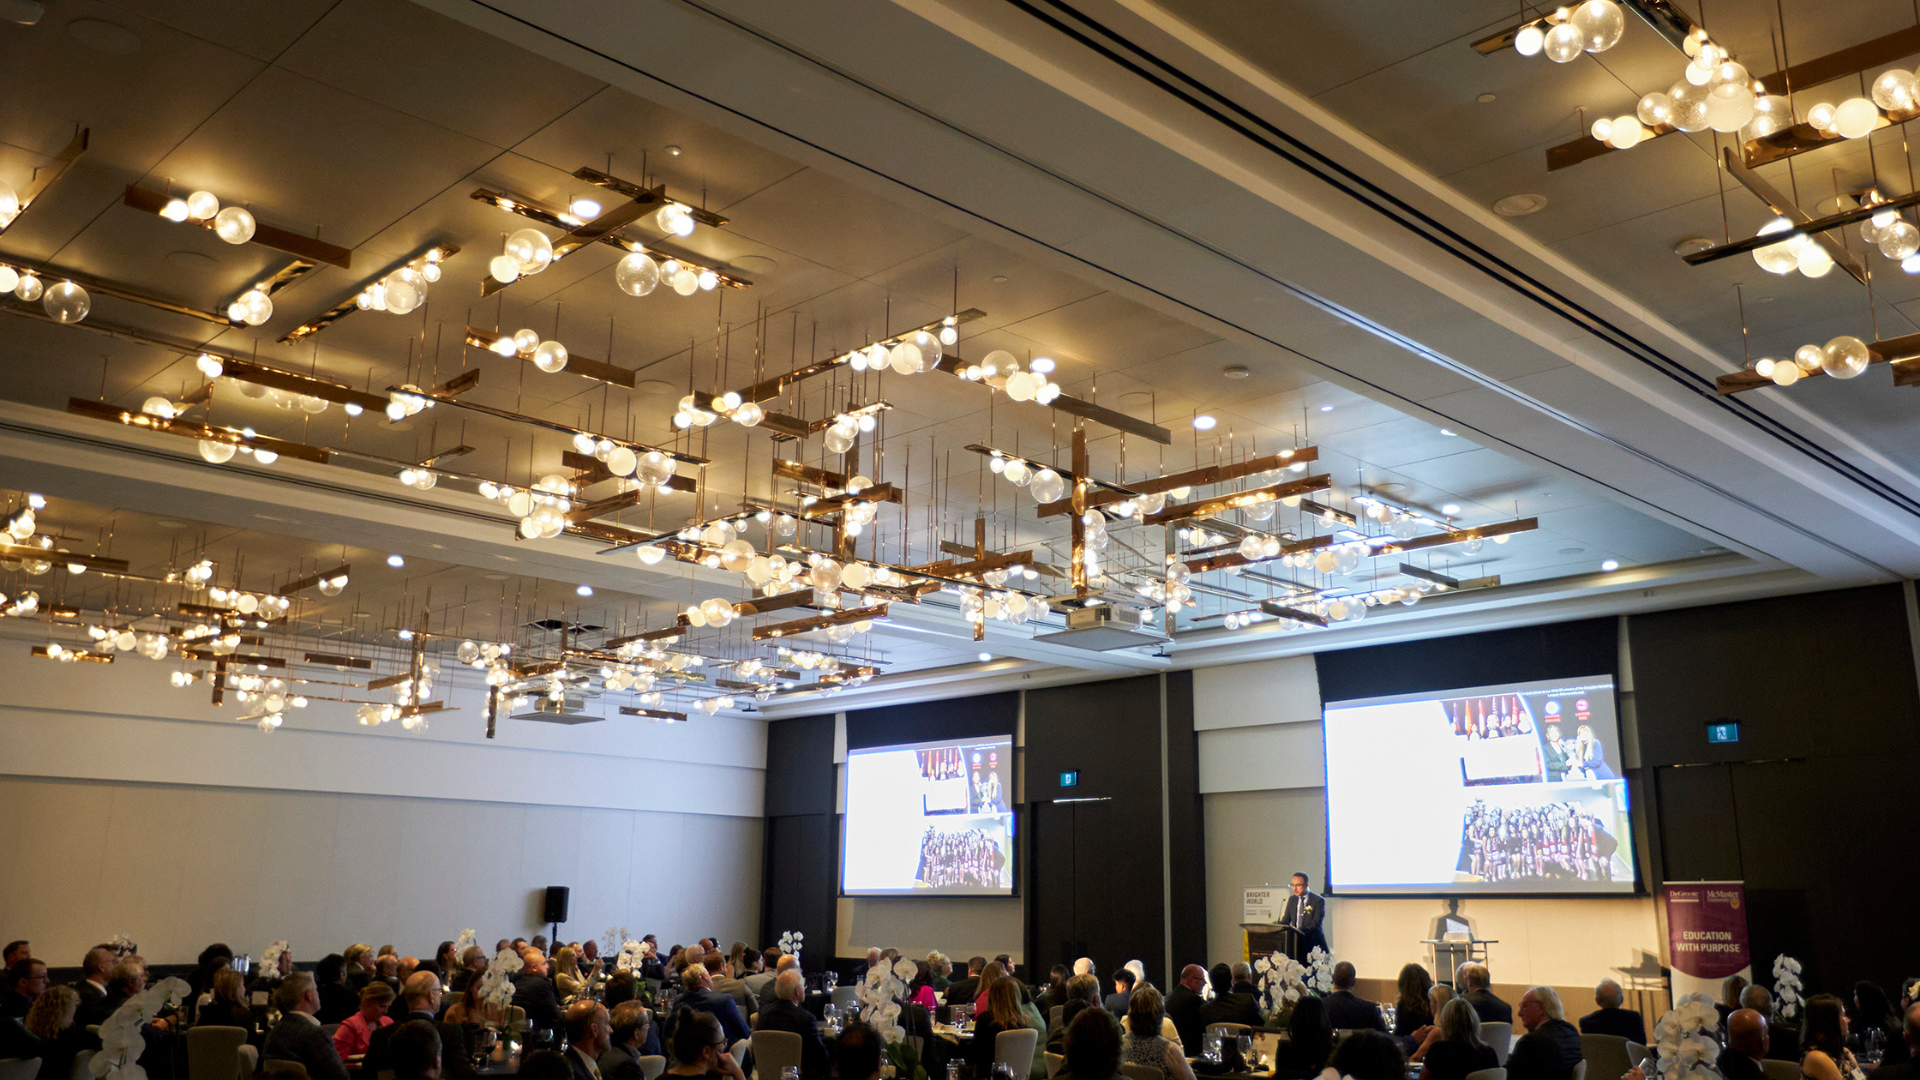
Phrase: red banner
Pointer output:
(1706, 930)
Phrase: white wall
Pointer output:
(129, 806)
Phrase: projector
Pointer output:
(1103, 627)
(570, 709)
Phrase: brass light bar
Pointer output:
(389, 680)
(312, 580)
(1281, 611)
(1202, 477)
(103, 287)
(1480, 532)
(1444, 581)
(680, 626)
(1666, 20)
(1900, 352)
(586, 232)
(523, 418)
(1808, 228)
(78, 654)
(1237, 500)
(232, 658)
(265, 235)
(590, 470)
(355, 662)
(634, 191)
(653, 714)
(1329, 513)
(244, 370)
(773, 387)
(762, 605)
(1066, 474)
(348, 306)
(794, 470)
(1073, 406)
(801, 626)
(576, 365)
(190, 430)
(835, 504)
(1785, 207)
(91, 562)
(533, 211)
(45, 175)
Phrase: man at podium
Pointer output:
(1304, 913)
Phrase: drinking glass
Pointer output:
(789, 1072)
(953, 1070)
(1212, 1047)
(1245, 1045)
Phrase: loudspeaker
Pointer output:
(556, 906)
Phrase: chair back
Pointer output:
(1014, 1048)
(1637, 1055)
(1231, 1031)
(651, 1066)
(328, 1030)
(1500, 1037)
(773, 1051)
(516, 1019)
(1057, 1061)
(1607, 1055)
(1141, 1072)
(81, 1060)
(1487, 1074)
(739, 1052)
(1580, 1070)
(19, 1068)
(213, 1052)
(1780, 1070)
(284, 1069)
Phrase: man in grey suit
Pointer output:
(1305, 911)
(298, 1036)
(632, 1024)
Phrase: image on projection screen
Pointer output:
(1486, 790)
(929, 819)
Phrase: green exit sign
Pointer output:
(1723, 731)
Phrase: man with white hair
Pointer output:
(786, 1014)
(698, 993)
(1610, 1018)
(1083, 966)
(1551, 1047)
(766, 995)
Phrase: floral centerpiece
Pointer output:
(881, 994)
(1282, 982)
(1320, 971)
(467, 940)
(1786, 987)
(1684, 1041)
(790, 943)
(270, 960)
(121, 1043)
(496, 990)
(122, 946)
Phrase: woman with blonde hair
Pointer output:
(1000, 1012)
(360, 965)
(566, 973)
(50, 1019)
(227, 1006)
(1142, 1043)
(938, 970)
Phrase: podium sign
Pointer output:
(1263, 904)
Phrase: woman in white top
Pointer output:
(1144, 1045)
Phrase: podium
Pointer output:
(1448, 955)
(1265, 939)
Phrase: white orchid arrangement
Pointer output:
(1684, 1040)
(270, 960)
(122, 945)
(1320, 971)
(1786, 986)
(633, 954)
(880, 994)
(790, 943)
(614, 939)
(121, 1043)
(467, 940)
(1282, 980)
(496, 983)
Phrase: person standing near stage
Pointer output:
(1305, 911)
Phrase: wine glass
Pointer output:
(1245, 1044)
(789, 1072)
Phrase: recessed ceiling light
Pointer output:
(1042, 365)
(1203, 422)
(396, 561)
(1450, 509)
(494, 577)
(584, 590)
(1520, 205)
(585, 208)
(1236, 371)
(1610, 565)
(1572, 550)
(1485, 99)
(999, 279)
(673, 151)
(653, 387)
(985, 656)
(1326, 408)
(1449, 432)
(168, 523)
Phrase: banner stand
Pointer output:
(1706, 935)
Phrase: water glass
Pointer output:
(1211, 1044)
(953, 1070)
(1245, 1044)
(789, 1072)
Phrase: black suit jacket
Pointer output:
(1783, 1042)
(1548, 1052)
(456, 1062)
(1348, 1010)
(620, 1063)
(1622, 1022)
(1316, 912)
(723, 1010)
(1490, 1009)
(93, 1004)
(1183, 1008)
(963, 991)
(297, 1038)
(534, 993)
(1230, 1009)
(577, 1065)
(786, 1016)
(1735, 1065)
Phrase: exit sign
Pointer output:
(1723, 731)
(1070, 779)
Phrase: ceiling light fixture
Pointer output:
(235, 225)
(396, 561)
(583, 590)
(1610, 565)
(1203, 422)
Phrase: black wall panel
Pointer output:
(800, 766)
(1523, 654)
(1186, 826)
(928, 721)
(800, 860)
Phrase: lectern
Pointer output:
(1265, 939)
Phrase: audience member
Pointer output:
(1452, 1049)
(768, 993)
(129, 978)
(360, 965)
(1551, 1047)
(1783, 1038)
(724, 983)
(633, 1038)
(1491, 1009)
(1610, 1018)
(95, 970)
(1347, 1010)
(539, 942)
(1243, 979)
(966, 991)
(16, 951)
(940, 971)
(1730, 989)
(472, 963)
(1369, 1054)
(1309, 1042)
(298, 1036)
(415, 1051)
(589, 1034)
(993, 973)
(1144, 1045)
(858, 1052)
(920, 991)
(567, 981)
(26, 980)
(1905, 1070)
(338, 998)
(1122, 990)
(759, 975)
(1873, 1018)
(421, 998)
(700, 1046)
(1823, 1037)
(266, 982)
(212, 960)
(999, 1012)
(1183, 1006)
(1746, 1046)
(1083, 992)
(533, 991)
(1228, 1007)
(698, 994)
(1413, 1003)
(544, 1065)
(1055, 993)
(50, 1021)
(1093, 1047)
(351, 1038)
(227, 1005)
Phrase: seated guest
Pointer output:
(1369, 1055)
(1055, 993)
(760, 972)
(1143, 1044)
(1911, 1044)
(338, 997)
(1730, 989)
(129, 978)
(95, 970)
(1783, 1039)
(1551, 1047)
(1452, 1049)
(16, 1042)
(421, 997)
(533, 991)
(1309, 1042)
(445, 960)
(723, 983)
(920, 991)
(857, 1053)
(360, 966)
(61, 1040)
(350, 1039)
(26, 980)
(414, 1051)
(1413, 1007)
(1610, 1018)
(469, 1011)
(227, 1005)
(1347, 1010)
(387, 970)
(1122, 990)
(700, 1047)
(298, 1036)
(1438, 997)
(697, 993)
(1491, 1009)
(1183, 1005)
(1228, 1007)
(266, 982)
(589, 1034)
(768, 994)
(1242, 979)
(966, 991)
(16, 951)
(545, 1065)
(633, 1038)
(993, 974)
(212, 960)
(1001, 1012)
(1093, 1047)
(567, 980)
(784, 1013)
(1823, 1035)
(1083, 992)
(940, 971)
(472, 963)
(1746, 1046)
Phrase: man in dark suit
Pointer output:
(95, 970)
(697, 993)
(787, 962)
(1346, 1009)
(1122, 992)
(589, 1034)
(1183, 1006)
(298, 1036)
(1783, 1042)
(1305, 911)
(26, 980)
(785, 1014)
(533, 991)
(1905, 1070)
(1551, 1047)
(1228, 1007)
(964, 991)
(1610, 1018)
(632, 1031)
(1490, 1009)
(422, 998)
(1746, 1045)
(414, 1050)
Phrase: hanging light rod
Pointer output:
(45, 175)
(1204, 476)
(589, 470)
(91, 562)
(103, 287)
(777, 385)
(819, 622)
(1667, 21)
(1065, 473)
(1903, 353)
(1805, 228)
(304, 247)
(653, 714)
(1281, 611)
(241, 369)
(190, 430)
(585, 232)
(1239, 500)
(523, 418)
(1445, 582)
(435, 252)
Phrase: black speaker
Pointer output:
(556, 907)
